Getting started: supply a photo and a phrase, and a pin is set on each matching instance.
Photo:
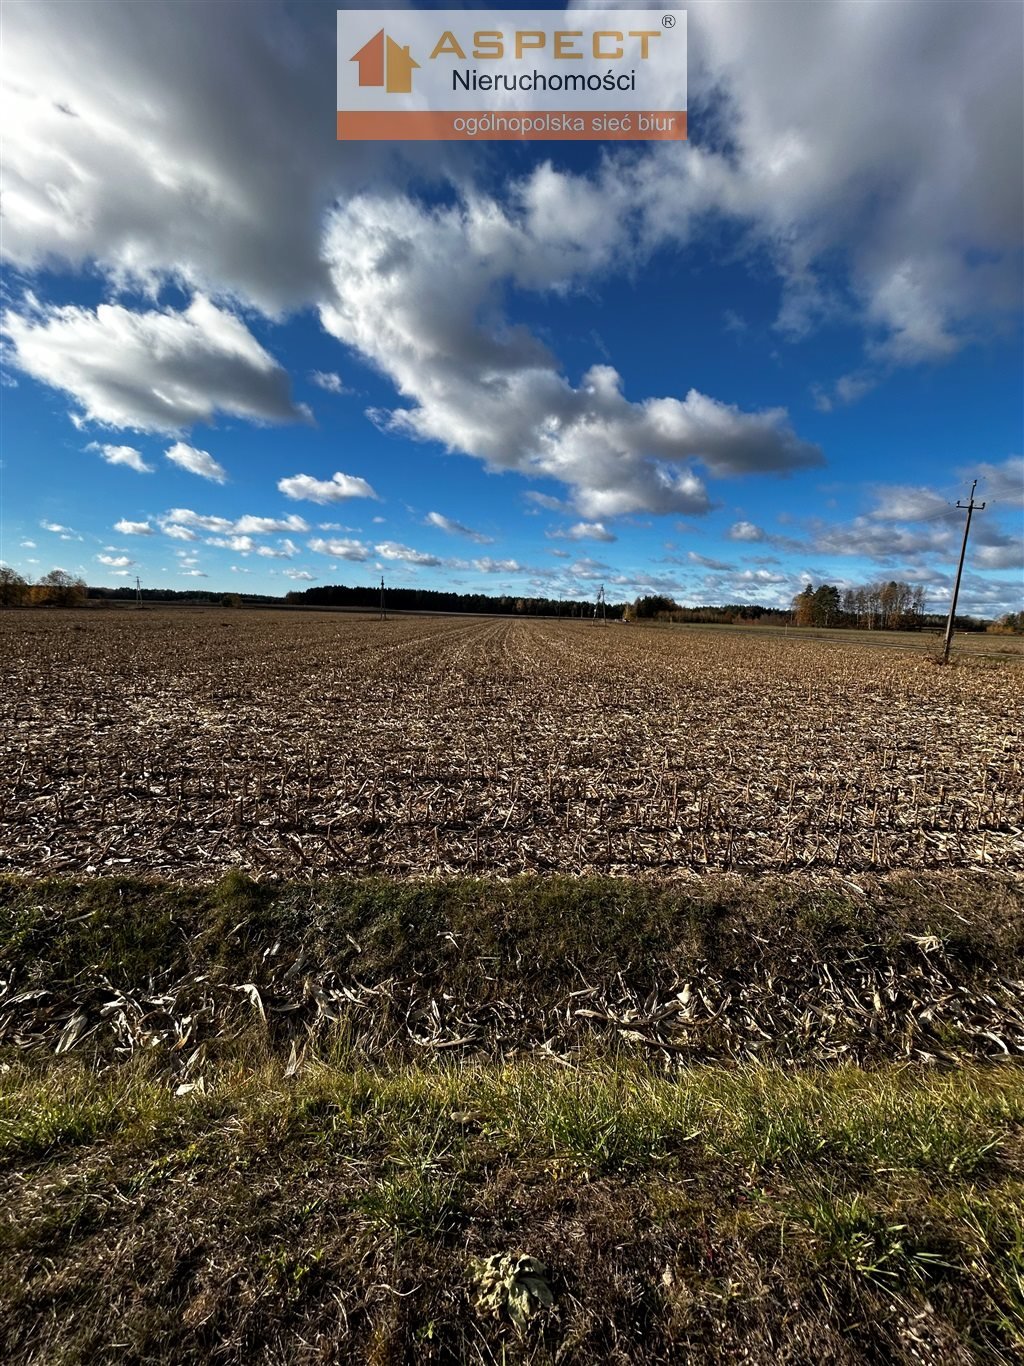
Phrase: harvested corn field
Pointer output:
(185, 743)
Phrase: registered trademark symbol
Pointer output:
(668, 21)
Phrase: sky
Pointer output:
(244, 356)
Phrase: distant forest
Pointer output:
(883, 606)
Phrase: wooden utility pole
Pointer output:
(138, 592)
(383, 610)
(969, 506)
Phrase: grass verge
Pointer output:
(342, 1212)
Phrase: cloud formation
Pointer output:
(391, 550)
(122, 455)
(155, 371)
(196, 462)
(583, 531)
(411, 286)
(453, 528)
(329, 381)
(334, 490)
(340, 548)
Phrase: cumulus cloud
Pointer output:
(410, 288)
(196, 462)
(339, 548)
(158, 371)
(583, 531)
(284, 550)
(899, 503)
(122, 455)
(182, 523)
(259, 526)
(156, 177)
(694, 558)
(127, 528)
(1002, 485)
(300, 575)
(746, 531)
(453, 528)
(115, 561)
(328, 380)
(485, 565)
(819, 173)
(333, 490)
(391, 550)
(243, 544)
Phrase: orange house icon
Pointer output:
(383, 62)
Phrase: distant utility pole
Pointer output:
(138, 592)
(383, 610)
(969, 507)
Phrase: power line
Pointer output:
(969, 507)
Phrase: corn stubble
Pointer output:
(185, 743)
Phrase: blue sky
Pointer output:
(240, 354)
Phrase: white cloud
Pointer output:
(546, 501)
(157, 371)
(486, 565)
(156, 177)
(694, 558)
(127, 528)
(1002, 485)
(121, 455)
(327, 379)
(29, 545)
(57, 528)
(196, 462)
(583, 531)
(1006, 553)
(115, 561)
(258, 526)
(334, 490)
(195, 574)
(899, 503)
(391, 550)
(181, 523)
(243, 544)
(453, 528)
(410, 286)
(925, 215)
(300, 575)
(286, 550)
(341, 549)
(746, 531)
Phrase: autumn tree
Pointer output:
(59, 589)
(13, 588)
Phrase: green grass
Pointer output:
(336, 1208)
(543, 929)
(784, 1205)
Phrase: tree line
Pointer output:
(442, 600)
(892, 605)
(881, 606)
(58, 588)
